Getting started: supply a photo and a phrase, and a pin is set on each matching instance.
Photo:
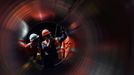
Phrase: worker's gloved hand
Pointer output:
(38, 57)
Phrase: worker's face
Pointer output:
(34, 41)
(47, 36)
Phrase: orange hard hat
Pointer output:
(45, 32)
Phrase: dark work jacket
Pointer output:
(52, 57)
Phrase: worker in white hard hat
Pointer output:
(32, 46)
(33, 50)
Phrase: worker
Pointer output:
(50, 47)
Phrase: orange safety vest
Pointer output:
(67, 47)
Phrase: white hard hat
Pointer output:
(33, 36)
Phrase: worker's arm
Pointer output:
(22, 44)
(62, 37)
(43, 45)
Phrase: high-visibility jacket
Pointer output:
(67, 47)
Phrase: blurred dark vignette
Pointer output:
(104, 48)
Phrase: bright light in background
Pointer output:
(24, 29)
